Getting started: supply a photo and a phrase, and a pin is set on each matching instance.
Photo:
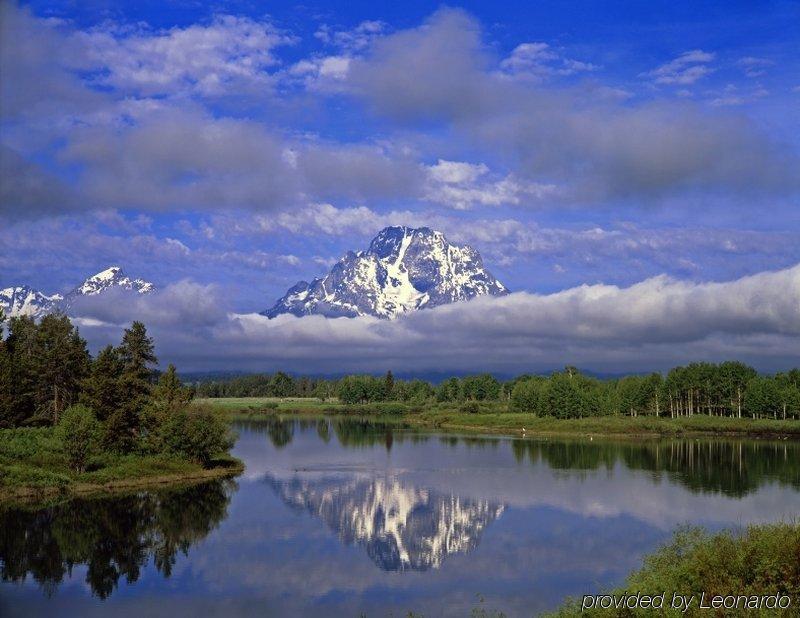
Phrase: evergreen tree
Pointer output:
(61, 363)
(102, 389)
(7, 412)
(170, 394)
(389, 384)
(137, 355)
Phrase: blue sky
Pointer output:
(245, 146)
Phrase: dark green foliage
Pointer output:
(389, 384)
(528, 395)
(101, 389)
(135, 384)
(42, 368)
(480, 388)
(45, 369)
(449, 390)
(169, 393)
(196, 435)
(763, 560)
(78, 432)
(361, 389)
(282, 385)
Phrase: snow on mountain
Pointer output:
(110, 278)
(404, 269)
(400, 526)
(23, 300)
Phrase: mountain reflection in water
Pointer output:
(401, 527)
(329, 511)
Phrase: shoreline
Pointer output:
(31, 494)
(502, 422)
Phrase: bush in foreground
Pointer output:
(763, 560)
(196, 435)
(78, 431)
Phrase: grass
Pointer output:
(761, 561)
(494, 417)
(32, 466)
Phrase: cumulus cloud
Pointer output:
(462, 185)
(595, 147)
(28, 190)
(600, 327)
(230, 53)
(37, 62)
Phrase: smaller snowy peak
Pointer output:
(24, 300)
(109, 278)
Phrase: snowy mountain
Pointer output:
(404, 269)
(400, 526)
(108, 279)
(24, 300)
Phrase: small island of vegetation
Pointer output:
(70, 423)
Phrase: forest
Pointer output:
(116, 402)
(728, 389)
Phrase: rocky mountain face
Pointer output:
(24, 300)
(400, 526)
(108, 279)
(403, 270)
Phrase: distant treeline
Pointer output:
(727, 389)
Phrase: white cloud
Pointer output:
(229, 54)
(462, 185)
(539, 60)
(684, 70)
(355, 39)
(753, 66)
(601, 327)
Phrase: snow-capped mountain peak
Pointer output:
(24, 300)
(404, 269)
(111, 277)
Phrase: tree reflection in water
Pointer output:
(113, 537)
(730, 467)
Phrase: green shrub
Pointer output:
(78, 432)
(197, 435)
(470, 407)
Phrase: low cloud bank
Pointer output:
(648, 326)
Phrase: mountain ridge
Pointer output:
(24, 300)
(403, 270)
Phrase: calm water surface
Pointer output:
(339, 518)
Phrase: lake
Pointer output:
(342, 517)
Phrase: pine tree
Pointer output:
(6, 380)
(137, 355)
(170, 394)
(61, 363)
(389, 387)
(101, 390)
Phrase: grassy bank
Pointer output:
(739, 567)
(494, 417)
(32, 466)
